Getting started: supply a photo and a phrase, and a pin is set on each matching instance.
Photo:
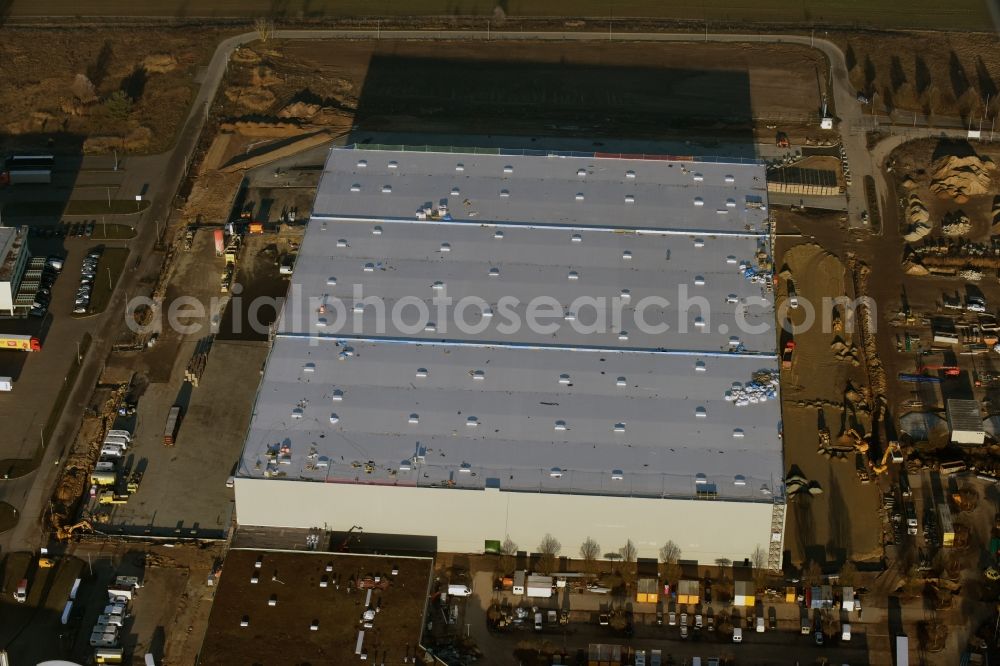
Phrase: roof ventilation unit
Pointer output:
(564, 379)
(478, 375)
(619, 427)
(627, 255)
(504, 194)
(430, 326)
(561, 426)
(630, 174)
(626, 295)
(629, 198)
(386, 189)
(369, 267)
(699, 366)
(472, 421)
(341, 242)
(309, 367)
(617, 475)
(573, 275)
(445, 247)
(698, 177)
(356, 187)
(494, 272)
(738, 433)
(331, 281)
(362, 164)
(498, 234)
(699, 280)
(338, 395)
(459, 167)
(621, 382)
(455, 191)
(421, 373)
(698, 201)
(377, 231)
(739, 480)
(334, 418)
(700, 479)
(579, 196)
(414, 419)
(576, 238)
(393, 165)
(699, 242)
(556, 473)
(582, 173)
(700, 412)
(730, 179)
(508, 169)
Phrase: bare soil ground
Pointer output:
(927, 73)
(57, 82)
(592, 89)
(841, 523)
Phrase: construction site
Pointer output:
(880, 419)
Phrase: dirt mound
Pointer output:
(916, 232)
(246, 56)
(252, 98)
(263, 77)
(956, 224)
(911, 268)
(962, 176)
(160, 63)
(136, 140)
(254, 128)
(299, 110)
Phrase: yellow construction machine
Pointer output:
(63, 533)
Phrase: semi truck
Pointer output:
(20, 342)
(173, 421)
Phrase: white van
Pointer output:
(459, 590)
(845, 632)
(112, 450)
(116, 620)
(738, 635)
(120, 433)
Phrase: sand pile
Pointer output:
(160, 63)
(962, 177)
(251, 98)
(916, 210)
(299, 110)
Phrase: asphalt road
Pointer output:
(30, 493)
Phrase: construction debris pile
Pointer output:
(760, 389)
(959, 178)
(956, 224)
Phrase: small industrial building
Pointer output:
(380, 407)
(312, 607)
(14, 258)
(796, 180)
(965, 422)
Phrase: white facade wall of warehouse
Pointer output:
(471, 433)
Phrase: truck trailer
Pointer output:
(19, 342)
(170, 429)
(539, 587)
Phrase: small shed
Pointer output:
(647, 591)
(688, 592)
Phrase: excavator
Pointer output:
(892, 452)
(64, 532)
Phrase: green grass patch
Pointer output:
(112, 232)
(109, 269)
(74, 207)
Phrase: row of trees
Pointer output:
(590, 551)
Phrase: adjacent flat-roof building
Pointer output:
(13, 262)
(965, 422)
(477, 346)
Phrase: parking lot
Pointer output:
(522, 643)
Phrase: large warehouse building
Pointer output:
(477, 346)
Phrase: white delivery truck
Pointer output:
(459, 590)
(539, 587)
(6, 384)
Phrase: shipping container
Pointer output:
(518, 587)
(19, 342)
(539, 587)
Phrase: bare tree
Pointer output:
(629, 551)
(813, 574)
(590, 550)
(264, 29)
(848, 574)
(612, 556)
(508, 549)
(549, 548)
(670, 552)
(759, 561)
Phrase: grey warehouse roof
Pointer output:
(596, 405)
